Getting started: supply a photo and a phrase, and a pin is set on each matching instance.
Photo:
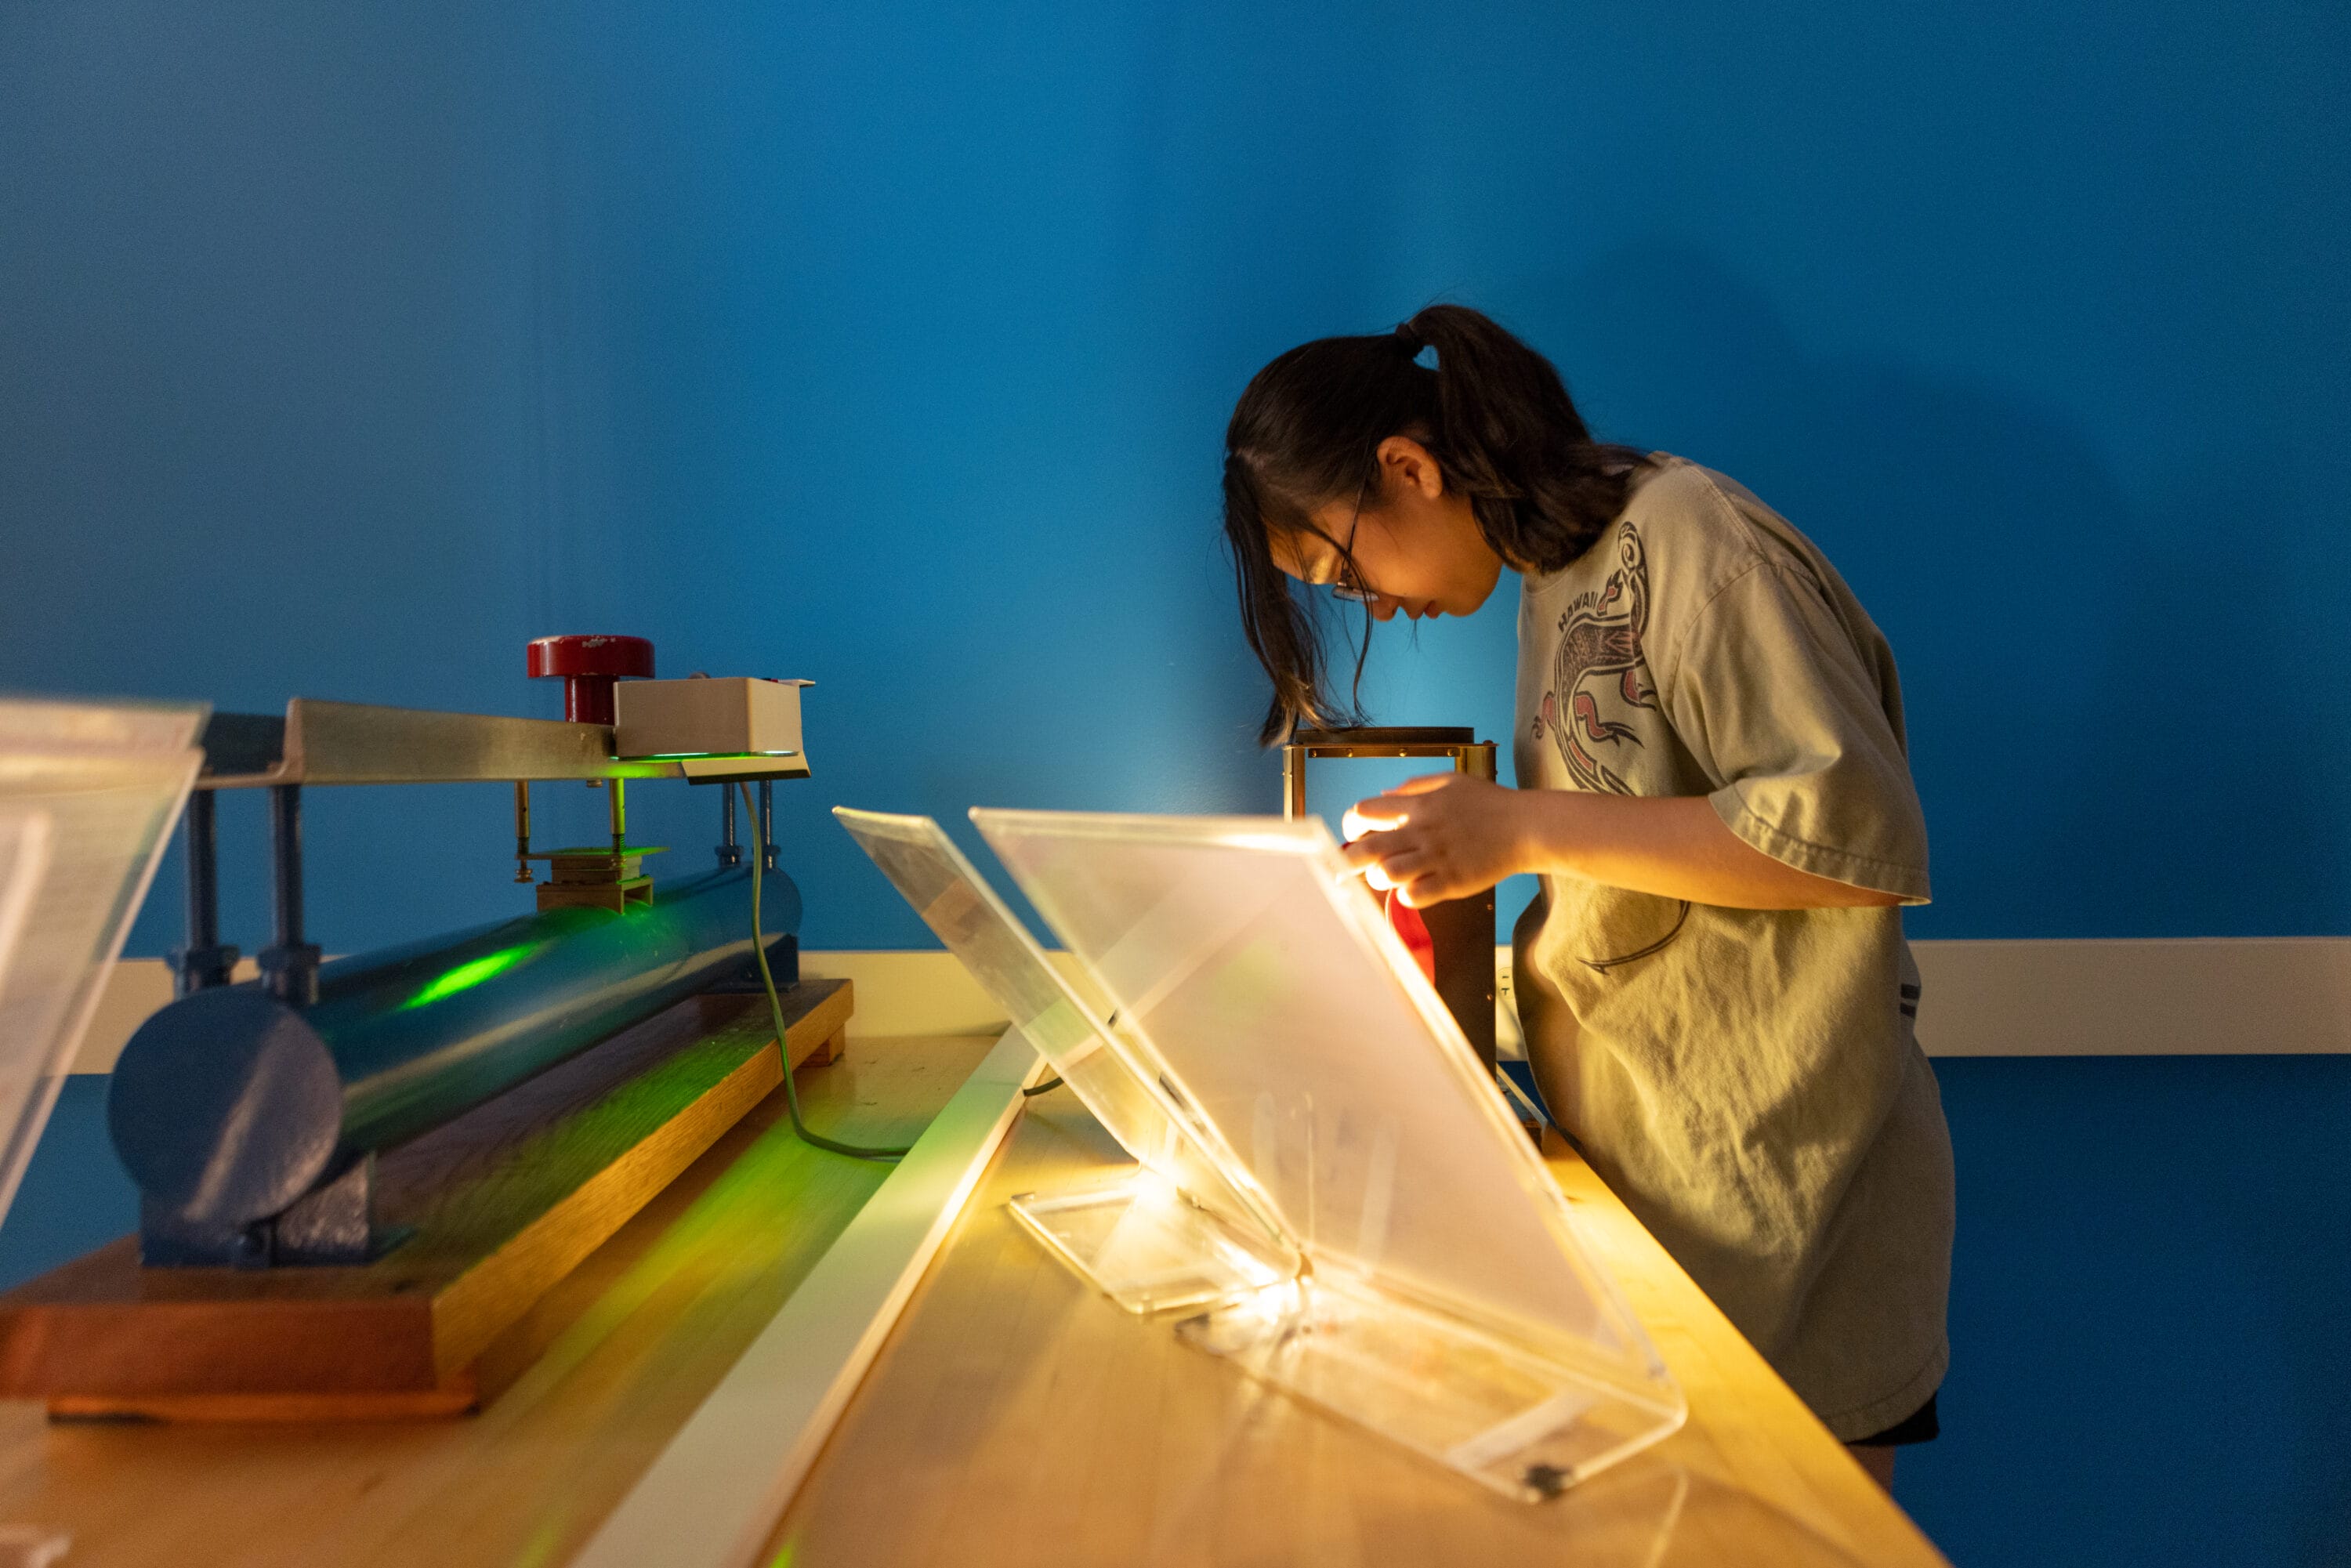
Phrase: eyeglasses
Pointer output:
(1351, 593)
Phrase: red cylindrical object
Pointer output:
(1413, 931)
(588, 665)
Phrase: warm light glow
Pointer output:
(1153, 1191)
(705, 755)
(1278, 843)
(1353, 826)
(1271, 1303)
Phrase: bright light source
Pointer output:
(1278, 843)
(1153, 1191)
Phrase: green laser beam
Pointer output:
(466, 976)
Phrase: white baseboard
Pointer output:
(2267, 996)
(2186, 996)
(134, 988)
(2258, 996)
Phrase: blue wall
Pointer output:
(2147, 1316)
(345, 348)
(342, 350)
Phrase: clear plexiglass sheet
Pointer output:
(1147, 1252)
(1260, 986)
(89, 792)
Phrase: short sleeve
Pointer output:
(1777, 699)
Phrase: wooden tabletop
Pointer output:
(1013, 1415)
(1016, 1416)
(603, 1372)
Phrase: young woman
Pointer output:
(1713, 789)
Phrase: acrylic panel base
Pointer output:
(1146, 1246)
(1492, 1407)
(1478, 1402)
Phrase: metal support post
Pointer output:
(730, 853)
(290, 964)
(767, 826)
(522, 832)
(204, 962)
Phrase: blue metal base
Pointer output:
(334, 1224)
(783, 962)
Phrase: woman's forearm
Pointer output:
(1675, 847)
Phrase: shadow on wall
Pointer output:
(2109, 705)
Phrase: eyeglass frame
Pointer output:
(1351, 593)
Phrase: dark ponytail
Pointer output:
(1494, 415)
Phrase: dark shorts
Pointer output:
(1918, 1427)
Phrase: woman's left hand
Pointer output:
(1441, 836)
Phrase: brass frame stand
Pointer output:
(1462, 929)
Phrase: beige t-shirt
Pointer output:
(1747, 1081)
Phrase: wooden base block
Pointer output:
(501, 1203)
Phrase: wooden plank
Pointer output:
(711, 1499)
(1015, 1416)
(503, 1203)
(456, 1396)
(598, 1376)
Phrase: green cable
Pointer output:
(776, 1006)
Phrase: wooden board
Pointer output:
(503, 1203)
(614, 1361)
(713, 1494)
(1016, 1416)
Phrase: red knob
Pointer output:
(589, 666)
(1415, 932)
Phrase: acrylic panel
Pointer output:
(1120, 1235)
(1263, 986)
(88, 793)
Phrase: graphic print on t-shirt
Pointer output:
(1600, 636)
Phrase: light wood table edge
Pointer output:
(712, 1496)
(1749, 1424)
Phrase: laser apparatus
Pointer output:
(256, 1118)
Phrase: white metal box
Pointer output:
(727, 716)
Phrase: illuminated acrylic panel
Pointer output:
(88, 793)
(1446, 1299)
(1181, 1232)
